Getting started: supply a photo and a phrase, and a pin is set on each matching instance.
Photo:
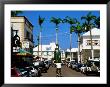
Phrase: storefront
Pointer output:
(22, 58)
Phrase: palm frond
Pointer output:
(15, 13)
(56, 20)
(41, 20)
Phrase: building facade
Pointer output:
(74, 53)
(86, 44)
(24, 28)
(47, 51)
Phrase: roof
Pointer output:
(95, 31)
(25, 19)
(72, 50)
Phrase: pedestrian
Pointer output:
(58, 69)
(57, 58)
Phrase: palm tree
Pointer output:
(71, 21)
(56, 21)
(89, 21)
(40, 21)
(15, 13)
(97, 22)
(78, 30)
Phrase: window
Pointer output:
(27, 34)
(31, 37)
(94, 42)
(88, 42)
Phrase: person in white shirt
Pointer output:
(57, 58)
(58, 70)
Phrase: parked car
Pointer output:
(47, 64)
(33, 71)
(42, 66)
(71, 62)
(83, 68)
(50, 62)
(38, 69)
(93, 67)
(24, 72)
(78, 66)
(15, 72)
(74, 65)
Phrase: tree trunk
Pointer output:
(79, 55)
(92, 52)
(56, 35)
(38, 46)
(41, 41)
(70, 45)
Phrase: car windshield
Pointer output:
(46, 62)
(97, 63)
(89, 63)
(83, 65)
(72, 62)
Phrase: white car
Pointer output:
(83, 69)
(73, 66)
(93, 67)
(33, 72)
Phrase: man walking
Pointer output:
(58, 70)
(57, 58)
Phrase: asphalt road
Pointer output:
(66, 72)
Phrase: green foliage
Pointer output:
(56, 20)
(89, 21)
(72, 28)
(15, 13)
(69, 20)
(97, 22)
(41, 20)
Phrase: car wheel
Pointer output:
(86, 73)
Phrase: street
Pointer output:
(66, 72)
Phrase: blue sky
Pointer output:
(48, 31)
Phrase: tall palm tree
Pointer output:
(40, 21)
(56, 21)
(78, 30)
(71, 21)
(89, 20)
(15, 13)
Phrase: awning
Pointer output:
(23, 52)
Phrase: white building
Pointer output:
(74, 53)
(47, 51)
(86, 44)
